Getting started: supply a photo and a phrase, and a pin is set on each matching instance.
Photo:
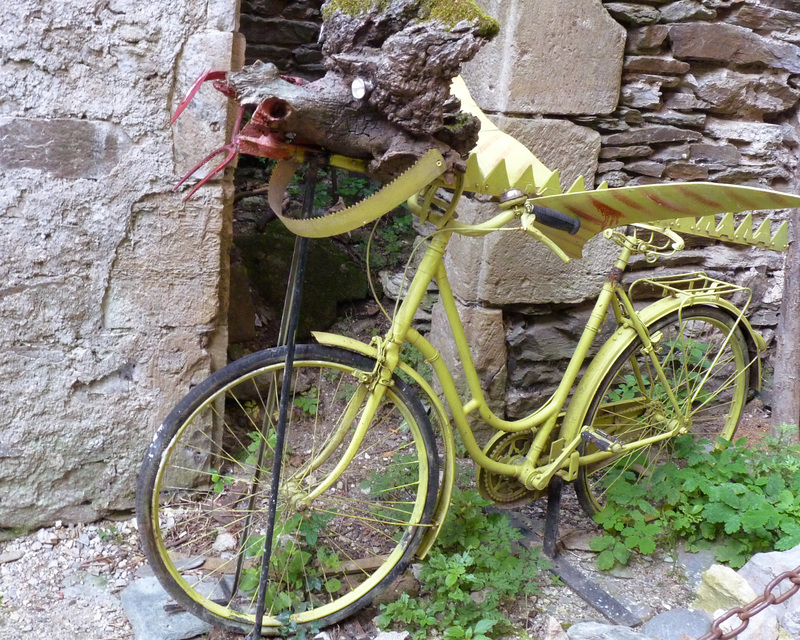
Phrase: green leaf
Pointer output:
(605, 560)
(647, 545)
(482, 626)
(601, 543)
(733, 524)
(717, 512)
(622, 554)
(333, 585)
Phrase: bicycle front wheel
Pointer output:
(343, 532)
(706, 362)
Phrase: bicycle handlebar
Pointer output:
(556, 220)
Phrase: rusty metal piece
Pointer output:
(231, 149)
(215, 77)
(755, 607)
(615, 274)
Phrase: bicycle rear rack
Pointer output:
(688, 285)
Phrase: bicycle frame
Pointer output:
(557, 434)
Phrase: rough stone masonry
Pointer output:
(112, 292)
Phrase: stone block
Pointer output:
(676, 624)
(223, 15)
(731, 44)
(89, 213)
(485, 334)
(685, 171)
(762, 138)
(152, 258)
(686, 10)
(762, 568)
(726, 154)
(144, 602)
(633, 14)
(551, 56)
(722, 588)
(633, 151)
(646, 39)
(764, 18)
(602, 631)
(62, 147)
(651, 135)
(646, 168)
(559, 144)
(676, 118)
(655, 64)
(746, 95)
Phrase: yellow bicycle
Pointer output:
(369, 458)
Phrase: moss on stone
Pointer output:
(451, 12)
(352, 7)
(446, 12)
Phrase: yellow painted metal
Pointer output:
(448, 469)
(608, 208)
(422, 173)
(725, 229)
(590, 382)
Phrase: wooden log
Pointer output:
(386, 94)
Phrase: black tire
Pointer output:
(203, 487)
(705, 357)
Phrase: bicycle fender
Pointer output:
(622, 338)
(449, 467)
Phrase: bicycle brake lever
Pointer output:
(526, 222)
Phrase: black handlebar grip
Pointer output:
(557, 220)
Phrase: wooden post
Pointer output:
(786, 386)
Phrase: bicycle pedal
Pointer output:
(601, 439)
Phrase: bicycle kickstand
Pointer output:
(569, 575)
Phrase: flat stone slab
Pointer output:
(673, 624)
(144, 600)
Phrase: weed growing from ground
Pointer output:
(744, 499)
(476, 566)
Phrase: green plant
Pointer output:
(220, 481)
(109, 534)
(298, 556)
(413, 357)
(476, 565)
(743, 498)
(308, 401)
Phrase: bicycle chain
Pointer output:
(755, 607)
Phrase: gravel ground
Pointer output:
(66, 580)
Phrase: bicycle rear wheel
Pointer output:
(706, 361)
(204, 485)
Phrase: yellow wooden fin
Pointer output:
(603, 209)
(552, 186)
(578, 185)
(493, 147)
(764, 233)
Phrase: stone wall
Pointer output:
(113, 292)
(552, 60)
(708, 92)
(284, 32)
